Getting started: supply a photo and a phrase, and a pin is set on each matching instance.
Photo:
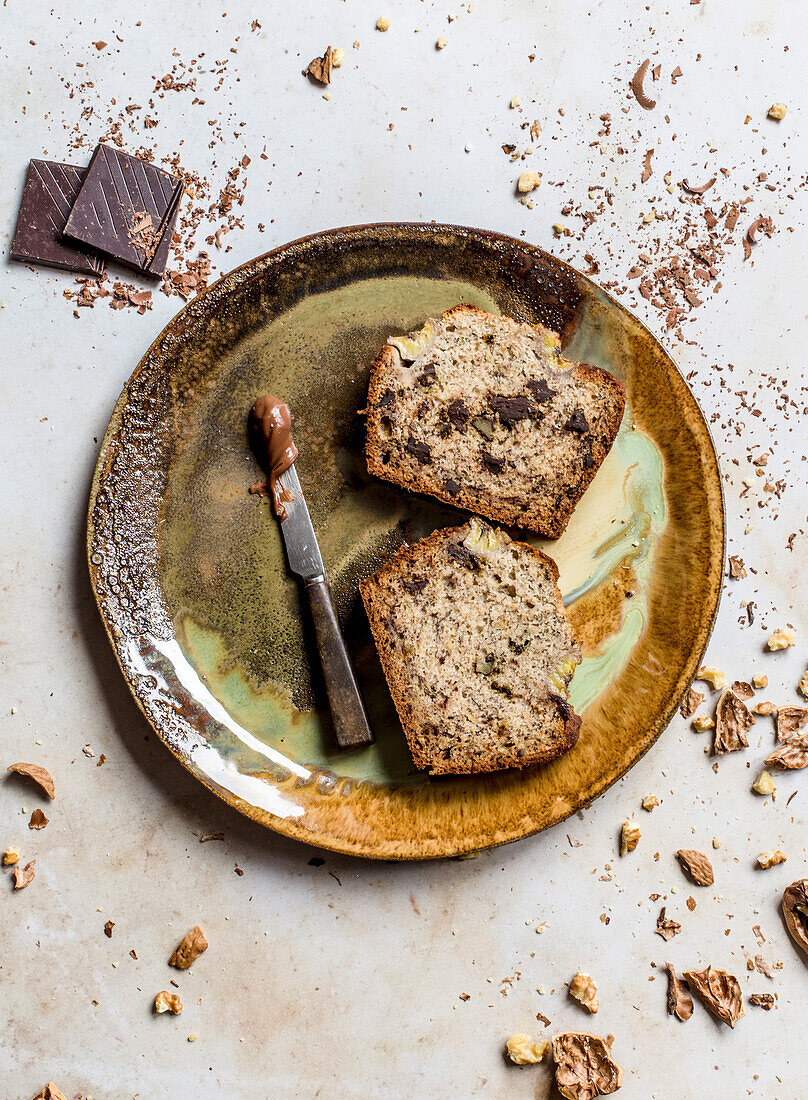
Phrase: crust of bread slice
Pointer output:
(543, 500)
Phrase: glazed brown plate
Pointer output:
(209, 629)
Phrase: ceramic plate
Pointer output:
(209, 629)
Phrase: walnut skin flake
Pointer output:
(691, 702)
(189, 950)
(319, 68)
(585, 1068)
(39, 775)
(789, 720)
(697, 866)
(732, 720)
(719, 992)
(584, 990)
(50, 1092)
(23, 876)
(524, 1051)
(637, 88)
(736, 568)
(38, 820)
(791, 755)
(680, 1003)
(795, 912)
(168, 1002)
(665, 927)
(742, 689)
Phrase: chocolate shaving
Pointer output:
(459, 552)
(39, 775)
(680, 1003)
(732, 719)
(492, 464)
(698, 190)
(637, 88)
(647, 171)
(420, 450)
(719, 992)
(763, 225)
(697, 866)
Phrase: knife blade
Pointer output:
(351, 726)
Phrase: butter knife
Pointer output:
(351, 726)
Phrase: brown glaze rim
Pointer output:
(525, 255)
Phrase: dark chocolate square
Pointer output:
(126, 208)
(49, 191)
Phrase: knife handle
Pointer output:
(351, 725)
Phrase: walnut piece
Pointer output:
(782, 638)
(771, 859)
(629, 837)
(38, 820)
(319, 68)
(719, 992)
(524, 1051)
(337, 57)
(650, 802)
(11, 856)
(795, 912)
(168, 1002)
(50, 1092)
(777, 111)
(691, 702)
(189, 950)
(702, 722)
(742, 689)
(382, 23)
(584, 990)
(736, 567)
(764, 708)
(789, 720)
(760, 680)
(802, 686)
(697, 866)
(732, 720)
(39, 775)
(23, 876)
(528, 181)
(764, 784)
(762, 1000)
(680, 1003)
(791, 755)
(712, 676)
(585, 1068)
(441, 43)
(665, 927)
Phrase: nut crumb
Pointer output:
(515, 102)
(777, 111)
(765, 708)
(764, 784)
(337, 57)
(712, 676)
(762, 1000)
(11, 856)
(189, 950)
(319, 68)
(441, 43)
(703, 722)
(528, 181)
(802, 686)
(666, 927)
(583, 989)
(168, 1002)
(760, 680)
(524, 1051)
(782, 638)
(650, 802)
(629, 837)
(584, 1066)
(382, 23)
(770, 859)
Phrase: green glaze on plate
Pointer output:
(210, 630)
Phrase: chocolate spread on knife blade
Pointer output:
(270, 427)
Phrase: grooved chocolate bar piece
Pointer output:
(49, 192)
(126, 208)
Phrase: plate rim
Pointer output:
(287, 826)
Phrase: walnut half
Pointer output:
(697, 866)
(585, 1068)
(795, 912)
(732, 720)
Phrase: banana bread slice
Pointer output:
(484, 412)
(477, 650)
